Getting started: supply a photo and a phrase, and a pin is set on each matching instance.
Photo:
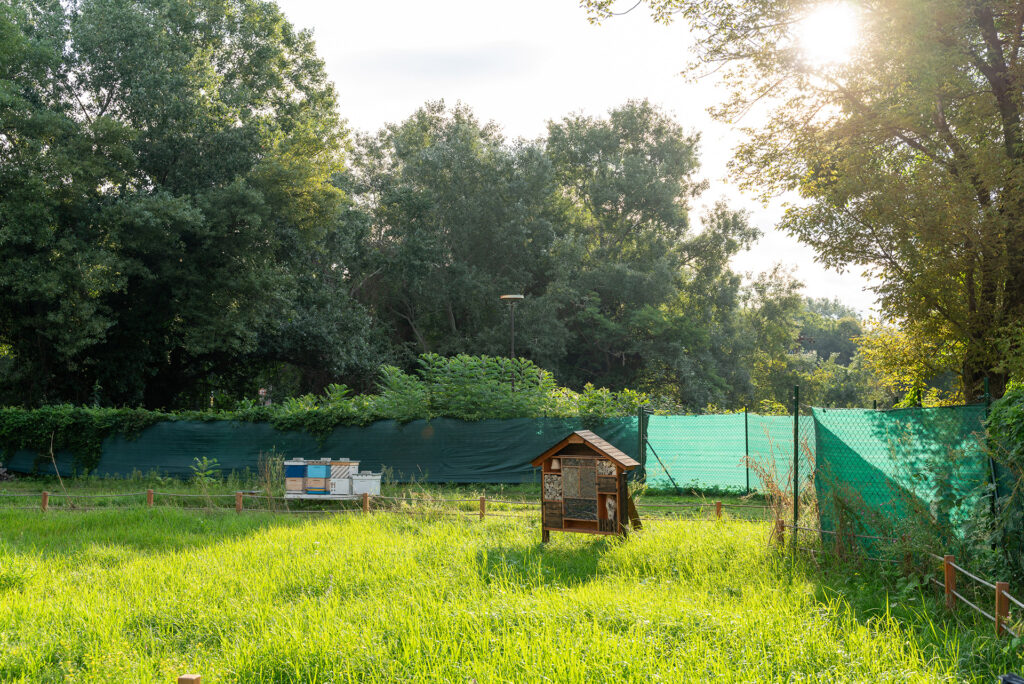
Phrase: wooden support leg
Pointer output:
(545, 536)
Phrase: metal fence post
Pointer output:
(991, 462)
(796, 461)
(746, 447)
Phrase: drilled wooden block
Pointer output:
(577, 462)
(607, 485)
(552, 515)
(552, 487)
(605, 468)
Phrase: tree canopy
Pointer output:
(185, 219)
(907, 157)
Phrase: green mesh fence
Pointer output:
(704, 452)
(878, 470)
(440, 450)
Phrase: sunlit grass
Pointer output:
(141, 596)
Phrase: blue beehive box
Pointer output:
(318, 471)
(295, 470)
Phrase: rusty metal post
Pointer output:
(1002, 607)
(949, 580)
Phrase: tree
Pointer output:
(644, 300)
(459, 218)
(908, 157)
(168, 203)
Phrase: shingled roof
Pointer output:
(593, 441)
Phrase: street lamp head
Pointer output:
(513, 298)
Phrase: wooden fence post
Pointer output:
(718, 510)
(46, 500)
(190, 679)
(483, 507)
(149, 498)
(949, 580)
(238, 502)
(366, 502)
(1002, 606)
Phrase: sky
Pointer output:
(525, 62)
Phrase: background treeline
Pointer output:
(184, 218)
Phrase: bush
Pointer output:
(464, 387)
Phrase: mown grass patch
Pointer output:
(139, 595)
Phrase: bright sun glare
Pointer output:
(828, 34)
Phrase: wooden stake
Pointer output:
(238, 502)
(483, 507)
(718, 510)
(545, 536)
(634, 515)
(149, 498)
(46, 500)
(949, 580)
(780, 532)
(1002, 606)
(190, 679)
(366, 502)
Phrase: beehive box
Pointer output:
(316, 483)
(340, 469)
(294, 484)
(341, 487)
(318, 471)
(366, 483)
(294, 469)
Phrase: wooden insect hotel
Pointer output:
(584, 487)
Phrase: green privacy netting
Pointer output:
(709, 451)
(440, 450)
(876, 468)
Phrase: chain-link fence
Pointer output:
(863, 470)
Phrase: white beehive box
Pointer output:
(341, 486)
(366, 483)
(340, 469)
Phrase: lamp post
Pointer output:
(512, 299)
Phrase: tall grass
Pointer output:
(142, 596)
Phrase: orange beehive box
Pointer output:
(293, 484)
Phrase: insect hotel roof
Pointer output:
(598, 445)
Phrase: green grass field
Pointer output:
(136, 595)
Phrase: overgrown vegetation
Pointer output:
(129, 596)
(464, 387)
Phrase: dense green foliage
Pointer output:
(463, 387)
(130, 596)
(183, 216)
(1005, 427)
(908, 157)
